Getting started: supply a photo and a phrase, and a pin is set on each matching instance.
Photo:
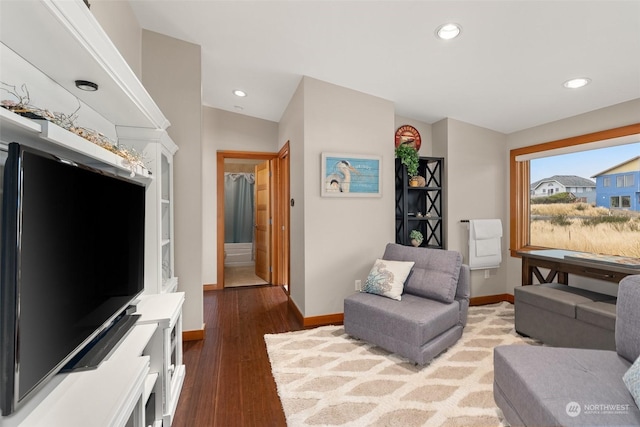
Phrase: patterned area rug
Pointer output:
(326, 378)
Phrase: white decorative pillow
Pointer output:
(387, 278)
(632, 380)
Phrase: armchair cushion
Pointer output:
(435, 274)
(632, 380)
(387, 278)
(628, 318)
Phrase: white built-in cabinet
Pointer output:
(139, 383)
(115, 394)
(169, 281)
(157, 149)
(165, 312)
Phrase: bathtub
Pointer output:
(238, 254)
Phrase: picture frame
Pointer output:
(350, 175)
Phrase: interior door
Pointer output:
(284, 217)
(263, 221)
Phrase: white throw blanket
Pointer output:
(485, 250)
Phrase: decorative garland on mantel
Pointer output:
(24, 108)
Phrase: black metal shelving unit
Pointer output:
(421, 208)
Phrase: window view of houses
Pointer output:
(587, 201)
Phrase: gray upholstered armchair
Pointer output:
(430, 314)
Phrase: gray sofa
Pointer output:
(432, 311)
(565, 316)
(549, 386)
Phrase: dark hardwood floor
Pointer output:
(228, 381)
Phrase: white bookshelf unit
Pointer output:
(139, 382)
(169, 281)
(158, 149)
(165, 311)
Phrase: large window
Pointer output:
(599, 219)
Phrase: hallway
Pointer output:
(228, 381)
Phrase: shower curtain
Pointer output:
(238, 207)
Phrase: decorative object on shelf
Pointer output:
(351, 175)
(416, 238)
(130, 155)
(24, 108)
(417, 181)
(409, 136)
(409, 157)
(23, 105)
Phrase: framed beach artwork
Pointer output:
(351, 175)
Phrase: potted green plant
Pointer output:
(409, 157)
(416, 238)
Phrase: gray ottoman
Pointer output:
(564, 316)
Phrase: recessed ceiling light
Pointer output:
(576, 83)
(448, 31)
(238, 107)
(86, 85)
(239, 93)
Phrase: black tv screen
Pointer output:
(72, 261)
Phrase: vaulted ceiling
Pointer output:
(504, 72)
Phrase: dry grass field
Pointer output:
(563, 226)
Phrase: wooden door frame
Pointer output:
(282, 217)
(220, 158)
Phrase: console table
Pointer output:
(560, 263)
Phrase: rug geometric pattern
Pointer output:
(326, 378)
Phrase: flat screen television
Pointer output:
(72, 261)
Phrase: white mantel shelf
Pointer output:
(63, 39)
(53, 139)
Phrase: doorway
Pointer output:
(241, 231)
(252, 220)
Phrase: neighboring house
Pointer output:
(619, 186)
(581, 188)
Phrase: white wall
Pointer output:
(171, 74)
(477, 181)
(611, 117)
(224, 130)
(119, 22)
(170, 71)
(475, 184)
(342, 236)
(291, 128)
